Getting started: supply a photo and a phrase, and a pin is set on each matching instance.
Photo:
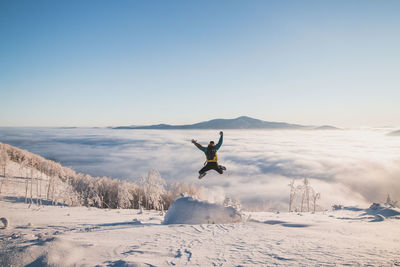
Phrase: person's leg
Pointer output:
(207, 167)
(216, 167)
(203, 170)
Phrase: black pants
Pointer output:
(211, 166)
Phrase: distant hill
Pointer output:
(242, 122)
(395, 133)
(326, 127)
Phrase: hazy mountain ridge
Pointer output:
(326, 127)
(242, 122)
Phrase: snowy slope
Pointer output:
(90, 236)
(18, 184)
(47, 235)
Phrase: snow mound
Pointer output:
(383, 211)
(187, 210)
(375, 213)
(5, 223)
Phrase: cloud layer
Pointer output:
(347, 167)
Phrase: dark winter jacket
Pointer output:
(216, 147)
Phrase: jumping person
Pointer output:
(211, 156)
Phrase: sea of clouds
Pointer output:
(350, 167)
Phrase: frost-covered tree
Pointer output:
(3, 159)
(315, 197)
(391, 203)
(292, 194)
(125, 196)
(64, 185)
(304, 194)
(3, 164)
(153, 187)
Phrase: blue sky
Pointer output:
(101, 63)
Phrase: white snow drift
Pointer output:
(187, 210)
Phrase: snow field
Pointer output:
(192, 233)
(91, 236)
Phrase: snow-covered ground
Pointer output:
(62, 236)
(47, 235)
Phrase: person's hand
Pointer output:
(221, 133)
(193, 141)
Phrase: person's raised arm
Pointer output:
(198, 145)
(218, 145)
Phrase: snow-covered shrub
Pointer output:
(154, 189)
(69, 196)
(391, 203)
(292, 194)
(125, 195)
(303, 197)
(337, 207)
(375, 206)
(234, 203)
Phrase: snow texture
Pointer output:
(79, 236)
(192, 233)
(5, 222)
(187, 210)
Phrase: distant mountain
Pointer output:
(395, 133)
(243, 122)
(326, 127)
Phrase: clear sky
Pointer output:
(102, 63)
